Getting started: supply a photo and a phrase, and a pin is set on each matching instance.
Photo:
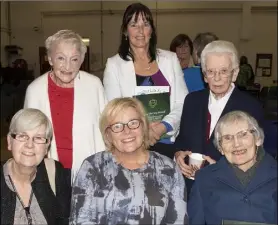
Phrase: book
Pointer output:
(234, 222)
(156, 101)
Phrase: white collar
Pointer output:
(226, 96)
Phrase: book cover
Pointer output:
(234, 222)
(157, 105)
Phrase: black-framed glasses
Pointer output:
(25, 137)
(229, 138)
(119, 127)
(223, 73)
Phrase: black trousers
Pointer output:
(164, 149)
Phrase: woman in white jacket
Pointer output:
(140, 63)
(72, 99)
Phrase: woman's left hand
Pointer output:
(156, 130)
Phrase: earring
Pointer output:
(126, 37)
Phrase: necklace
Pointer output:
(149, 67)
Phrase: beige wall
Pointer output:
(226, 19)
(4, 32)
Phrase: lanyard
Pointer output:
(26, 209)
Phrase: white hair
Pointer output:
(237, 116)
(28, 119)
(222, 47)
(66, 36)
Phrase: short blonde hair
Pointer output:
(66, 36)
(220, 46)
(28, 119)
(114, 108)
(237, 116)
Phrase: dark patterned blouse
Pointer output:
(107, 193)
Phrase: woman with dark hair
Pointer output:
(140, 63)
(183, 47)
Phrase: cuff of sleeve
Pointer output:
(168, 126)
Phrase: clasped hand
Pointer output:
(156, 130)
(186, 169)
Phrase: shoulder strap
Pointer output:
(50, 169)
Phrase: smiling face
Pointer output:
(183, 51)
(129, 140)
(239, 144)
(28, 154)
(66, 59)
(217, 62)
(139, 32)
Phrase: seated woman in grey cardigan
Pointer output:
(33, 189)
(128, 184)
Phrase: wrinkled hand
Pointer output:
(156, 130)
(185, 169)
(209, 159)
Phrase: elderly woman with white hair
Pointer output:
(33, 189)
(202, 109)
(128, 184)
(72, 99)
(242, 185)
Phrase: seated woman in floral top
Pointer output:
(127, 184)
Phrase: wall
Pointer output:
(5, 39)
(252, 26)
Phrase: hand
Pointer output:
(156, 130)
(185, 169)
(209, 159)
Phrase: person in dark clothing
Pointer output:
(33, 189)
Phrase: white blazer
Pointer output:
(89, 101)
(120, 81)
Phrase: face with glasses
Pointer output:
(239, 143)
(29, 147)
(66, 59)
(139, 32)
(219, 73)
(125, 132)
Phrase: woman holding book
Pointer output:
(140, 63)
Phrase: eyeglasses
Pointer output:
(119, 127)
(240, 136)
(25, 137)
(223, 73)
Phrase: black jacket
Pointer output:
(56, 209)
(194, 126)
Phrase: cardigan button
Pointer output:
(246, 200)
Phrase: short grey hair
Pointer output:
(28, 119)
(237, 116)
(201, 40)
(219, 46)
(66, 36)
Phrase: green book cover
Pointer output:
(157, 105)
(234, 222)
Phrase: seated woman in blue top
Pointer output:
(128, 184)
(183, 47)
(242, 185)
(140, 63)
